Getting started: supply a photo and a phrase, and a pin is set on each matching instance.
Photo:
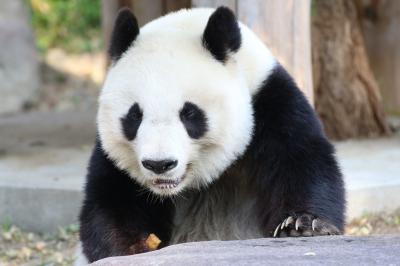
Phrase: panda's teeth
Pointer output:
(166, 183)
(167, 186)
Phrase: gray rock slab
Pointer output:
(340, 250)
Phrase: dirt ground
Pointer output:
(375, 224)
(28, 249)
(24, 248)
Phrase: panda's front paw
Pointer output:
(305, 225)
(139, 246)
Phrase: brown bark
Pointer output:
(173, 5)
(380, 24)
(348, 96)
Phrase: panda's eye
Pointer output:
(131, 121)
(194, 120)
(188, 113)
(135, 115)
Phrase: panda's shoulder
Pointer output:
(281, 102)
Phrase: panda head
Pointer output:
(174, 111)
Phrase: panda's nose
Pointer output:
(159, 167)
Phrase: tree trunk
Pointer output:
(380, 22)
(19, 64)
(348, 97)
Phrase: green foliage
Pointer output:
(6, 225)
(73, 25)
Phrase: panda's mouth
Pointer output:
(162, 183)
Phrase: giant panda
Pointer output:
(203, 135)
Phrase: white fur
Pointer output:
(80, 258)
(165, 67)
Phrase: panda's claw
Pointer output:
(283, 224)
(322, 227)
(277, 230)
(289, 221)
(313, 224)
(304, 225)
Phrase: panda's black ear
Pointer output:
(222, 34)
(125, 31)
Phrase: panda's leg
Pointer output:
(117, 214)
(299, 185)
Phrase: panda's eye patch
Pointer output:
(131, 121)
(194, 120)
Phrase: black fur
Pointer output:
(222, 34)
(290, 166)
(194, 120)
(125, 31)
(117, 213)
(131, 121)
(290, 159)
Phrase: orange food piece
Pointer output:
(152, 242)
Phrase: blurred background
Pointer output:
(343, 54)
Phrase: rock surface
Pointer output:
(340, 250)
(19, 68)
